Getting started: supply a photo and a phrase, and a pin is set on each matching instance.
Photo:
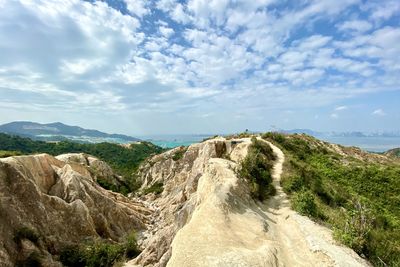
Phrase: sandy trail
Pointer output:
(228, 228)
(300, 241)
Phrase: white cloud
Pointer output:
(355, 25)
(383, 10)
(166, 32)
(197, 55)
(137, 7)
(197, 92)
(341, 108)
(334, 116)
(378, 112)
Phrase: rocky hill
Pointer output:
(58, 131)
(48, 204)
(200, 206)
(205, 215)
(393, 152)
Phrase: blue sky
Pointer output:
(201, 66)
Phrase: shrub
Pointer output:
(356, 231)
(131, 247)
(179, 154)
(26, 233)
(304, 203)
(256, 169)
(156, 188)
(99, 253)
(5, 154)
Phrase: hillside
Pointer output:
(123, 159)
(270, 200)
(393, 152)
(209, 213)
(353, 192)
(59, 132)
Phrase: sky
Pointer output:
(145, 67)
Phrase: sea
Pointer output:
(171, 141)
(371, 144)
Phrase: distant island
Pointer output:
(341, 134)
(61, 132)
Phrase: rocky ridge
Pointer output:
(205, 216)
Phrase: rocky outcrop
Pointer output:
(206, 217)
(173, 208)
(98, 169)
(59, 200)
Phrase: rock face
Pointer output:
(59, 199)
(206, 217)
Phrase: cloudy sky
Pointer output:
(201, 66)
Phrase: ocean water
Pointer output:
(372, 144)
(171, 141)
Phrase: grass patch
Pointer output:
(5, 153)
(360, 200)
(156, 188)
(256, 169)
(99, 253)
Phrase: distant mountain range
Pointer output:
(58, 132)
(342, 134)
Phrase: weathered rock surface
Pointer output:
(205, 216)
(59, 199)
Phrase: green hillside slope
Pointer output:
(356, 193)
(123, 160)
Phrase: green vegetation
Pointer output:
(256, 169)
(5, 154)
(304, 202)
(123, 160)
(359, 199)
(179, 154)
(156, 188)
(99, 253)
(393, 152)
(26, 233)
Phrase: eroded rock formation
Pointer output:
(59, 199)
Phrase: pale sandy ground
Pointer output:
(228, 228)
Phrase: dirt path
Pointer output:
(300, 241)
(228, 228)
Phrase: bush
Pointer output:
(304, 203)
(156, 188)
(179, 154)
(26, 233)
(256, 169)
(356, 231)
(99, 253)
(131, 247)
(5, 154)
